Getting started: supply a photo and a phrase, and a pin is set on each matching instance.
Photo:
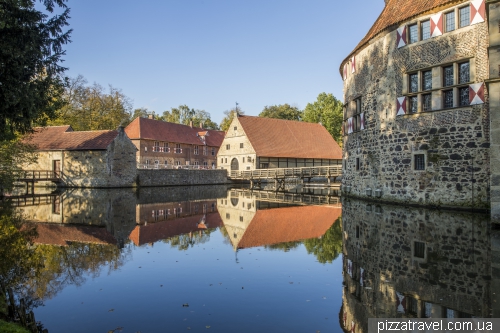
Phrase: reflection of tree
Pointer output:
(328, 247)
(225, 234)
(287, 246)
(70, 265)
(185, 241)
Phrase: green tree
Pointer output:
(184, 115)
(283, 111)
(228, 118)
(13, 153)
(31, 47)
(328, 247)
(92, 107)
(328, 111)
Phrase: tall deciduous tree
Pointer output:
(282, 111)
(228, 118)
(184, 115)
(31, 47)
(92, 107)
(328, 111)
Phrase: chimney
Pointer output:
(201, 124)
(151, 116)
(191, 123)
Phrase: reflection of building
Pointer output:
(162, 144)
(262, 143)
(63, 235)
(418, 104)
(85, 158)
(412, 263)
(252, 223)
(164, 220)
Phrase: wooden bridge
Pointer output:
(30, 177)
(279, 175)
(291, 198)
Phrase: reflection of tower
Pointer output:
(236, 256)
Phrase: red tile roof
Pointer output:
(64, 138)
(289, 224)
(397, 11)
(62, 235)
(153, 232)
(286, 138)
(145, 128)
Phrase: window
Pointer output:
(228, 147)
(196, 150)
(419, 250)
(354, 117)
(177, 162)
(449, 21)
(427, 80)
(425, 27)
(448, 77)
(463, 95)
(357, 163)
(241, 145)
(241, 218)
(165, 147)
(464, 14)
(463, 73)
(213, 151)
(413, 101)
(178, 149)
(222, 160)
(413, 86)
(412, 305)
(243, 159)
(156, 146)
(225, 160)
(235, 128)
(205, 150)
(419, 161)
(357, 231)
(426, 102)
(447, 99)
(412, 33)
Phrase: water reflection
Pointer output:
(402, 262)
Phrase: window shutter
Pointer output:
(350, 128)
(477, 11)
(401, 38)
(345, 318)
(401, 302)
(476, 93)
(362, 121)
(349, 267)
(345, 72)
(361, 276)
(353, 64)
(401, 106)
(437, 25)
(353, 326)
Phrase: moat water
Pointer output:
(223, 259)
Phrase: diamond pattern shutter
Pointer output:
(477, 11)
(437, 25)
(401, 106)
(353, 64)
(353, 327)
(350, 127)
(362, 121)
(476, 93)
(345, 72)
(401, 37)
(345, 318)
(400, 303)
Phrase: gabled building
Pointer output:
(265, 143)
(85, 158)
(162, 144)
(419, 91)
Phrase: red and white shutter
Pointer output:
(437, 25)
(476, 93)
(353, 64)
(345, 318)
(477, 11)
(400, 303)
(353, 326)
(401, 106)
(401, 37)
(362, 121)
(350, 128)
(345, 72)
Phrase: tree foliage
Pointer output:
(228, 118)
(328, 111)
(184, 115)
(327, 248)
(91, 107)
(31, 47)
(13, 154)
(283, 111)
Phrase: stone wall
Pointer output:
(454, 141)
(174, 177)
(453, 276)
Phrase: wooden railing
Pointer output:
(319, 171)
(37, 175)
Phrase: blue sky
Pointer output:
(209, 54)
